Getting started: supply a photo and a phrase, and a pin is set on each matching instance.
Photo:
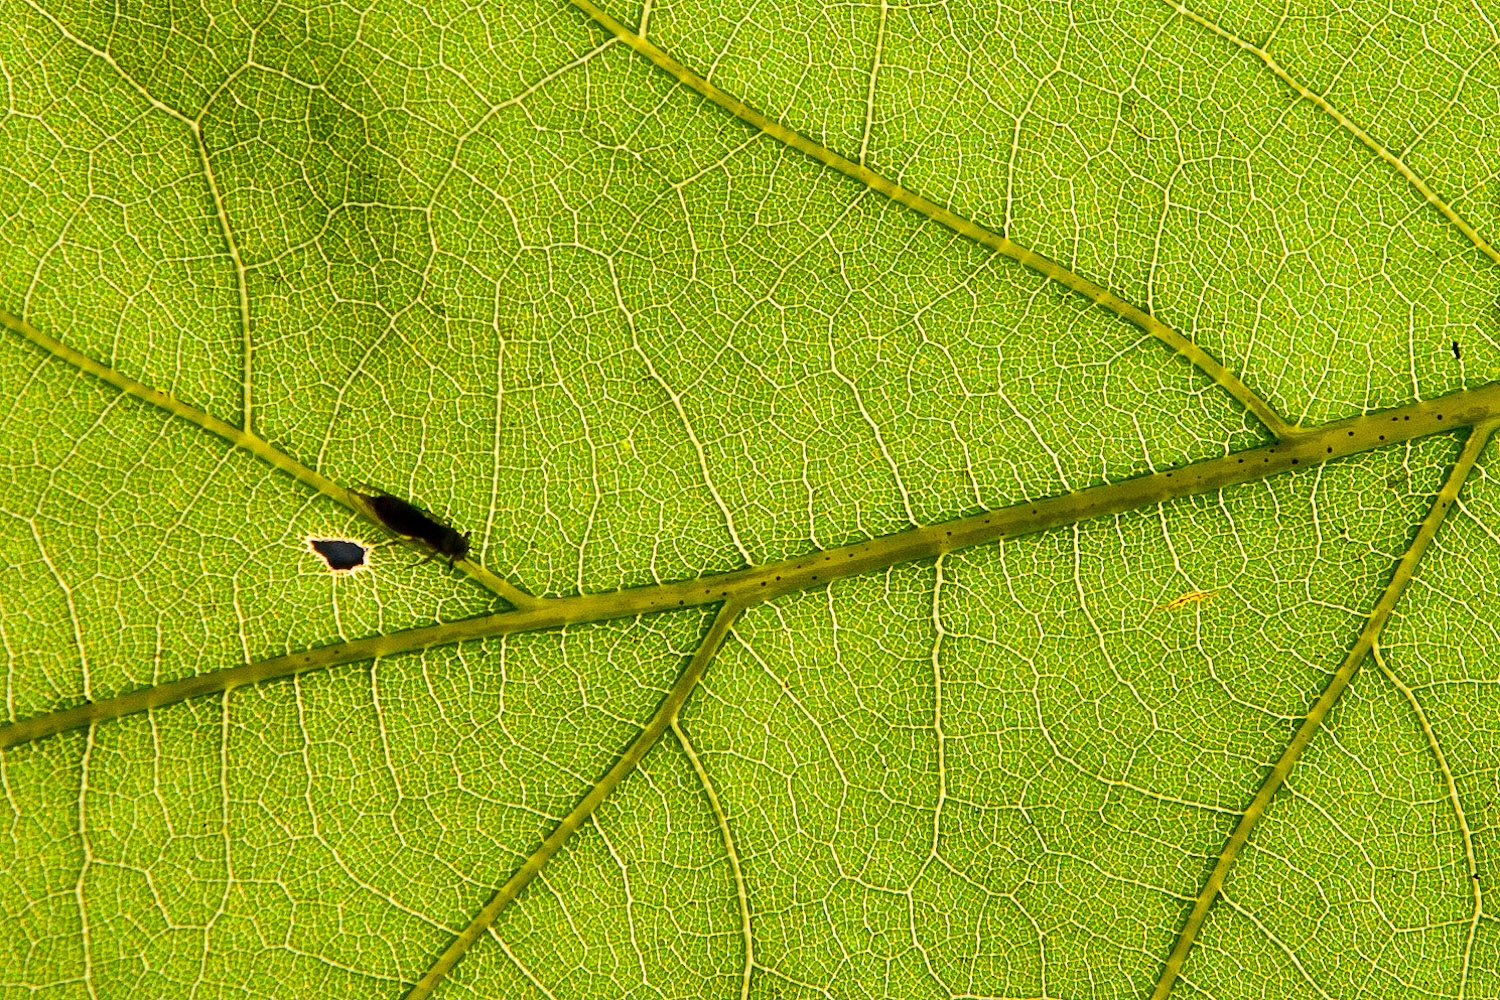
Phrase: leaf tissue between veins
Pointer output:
(411, 521)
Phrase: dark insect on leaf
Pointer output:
(412, 521)
(1456, 352)
(338, 553)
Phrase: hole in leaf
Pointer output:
(341, 554)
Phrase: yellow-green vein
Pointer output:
(664, 716)
(240, 438)
(1461, 821)
(731, 854)
(1316, 716)
(1046, 266)
(817, 569)
(1322, 104)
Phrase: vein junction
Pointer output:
(756, 584)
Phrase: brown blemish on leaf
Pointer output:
(1191, 597)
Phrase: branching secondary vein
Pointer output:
(240, 438)
(1046, 266)
(755, 584)
(1316, 715)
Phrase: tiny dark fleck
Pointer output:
(1457, 351)
(338, 553)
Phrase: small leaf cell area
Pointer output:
(341, 555)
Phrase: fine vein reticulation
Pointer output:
(1340, 439)
(240, 438)
(968, 228)
(1447, 496)
(1477, 411)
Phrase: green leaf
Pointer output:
(514, 264)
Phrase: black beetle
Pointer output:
(412, 521)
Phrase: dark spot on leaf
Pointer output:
(338, 553)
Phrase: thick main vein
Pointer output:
(755, 584)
